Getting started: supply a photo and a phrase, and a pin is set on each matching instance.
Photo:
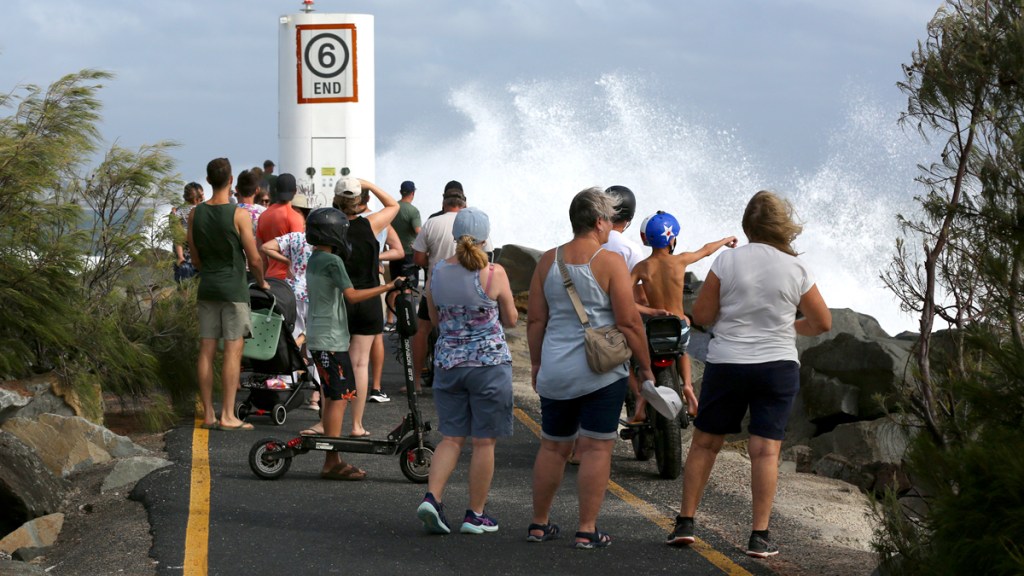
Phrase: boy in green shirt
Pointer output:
(327, 335)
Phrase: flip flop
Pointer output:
(311, 432)
(205, 426)
(242, 426)
(363, 435)
(343, 472)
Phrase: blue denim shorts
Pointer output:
(594, 415)
(768, 389)
(474, 401)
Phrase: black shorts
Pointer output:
(768, 389)
(335, 369)
(423, 312)
(404, 268)
(365, 318)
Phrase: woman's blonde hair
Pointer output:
(769, 219)
(470, 254)
(350, 206)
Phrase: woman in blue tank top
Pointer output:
(575, 401)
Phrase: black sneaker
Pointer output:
(682, 534)
(761, 546)
(378, 396)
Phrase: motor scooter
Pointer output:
(270, 458)
(657, 435)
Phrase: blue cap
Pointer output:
(472, 222)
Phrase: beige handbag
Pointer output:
(605, 346)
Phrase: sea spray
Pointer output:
(528, 147)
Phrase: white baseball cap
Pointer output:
(664, 399)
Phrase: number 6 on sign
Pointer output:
(327, 63)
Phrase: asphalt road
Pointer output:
(231, 522)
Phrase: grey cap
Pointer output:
(472, 222)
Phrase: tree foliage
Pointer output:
(76, 242)
(965, 86)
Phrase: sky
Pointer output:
(695, 105)
(204, 74)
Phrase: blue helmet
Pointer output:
(658, 230)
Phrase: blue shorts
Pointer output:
(768, 389)
(334, 369)
(474, 401)
(594, 415)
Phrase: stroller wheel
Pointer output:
(263, 467)
(242, 411)
(280, 414)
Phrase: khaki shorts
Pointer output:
(227, 320)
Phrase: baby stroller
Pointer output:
(275, 385)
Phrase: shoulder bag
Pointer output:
(605, 346)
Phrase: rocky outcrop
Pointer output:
(128, 471)
(519, 263)
(70, 444)
(48, 394)
(868, 454)
(38, 533)
(27, 488)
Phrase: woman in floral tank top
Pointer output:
(469, 301)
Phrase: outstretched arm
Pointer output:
(707, 250)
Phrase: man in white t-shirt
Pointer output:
(617, 242)
(433, 244)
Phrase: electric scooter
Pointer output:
(270, 458)
(658, 435)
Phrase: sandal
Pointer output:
(550, 532)
(591, 540)
(343, 472)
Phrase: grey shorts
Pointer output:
(227, 320)
(474, 401)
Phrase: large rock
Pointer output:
(48, 394)
(844, 321)
(27, 487)
(827, 400)
(128, 471)
(876, 366)
(15, 568)
(70, 444)
(38, 533)
(519, 262)
(869, 454)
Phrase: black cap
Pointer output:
(286, 187)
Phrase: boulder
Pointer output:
(27, 487)
(875, 366)
(15, 568)
(38, 533)
(868, 454)
(844, 321)
(71, 444)
(826, 400)
(519, 262)
(128, 471)
(48, 394)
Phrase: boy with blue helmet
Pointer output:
(662, 276)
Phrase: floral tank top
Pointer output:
(469, 326)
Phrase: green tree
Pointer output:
(963, 86)
(78, 245)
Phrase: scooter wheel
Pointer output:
(280, 414)
(264, 468)
(415, 463)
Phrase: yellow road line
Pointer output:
(647, 510)
(197, 534)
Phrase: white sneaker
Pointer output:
(378, 396)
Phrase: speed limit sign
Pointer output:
(326, 67)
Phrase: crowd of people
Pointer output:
(756, 298)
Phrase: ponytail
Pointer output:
(470, 254)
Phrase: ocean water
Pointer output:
(526, 149)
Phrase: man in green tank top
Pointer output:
(221, 241)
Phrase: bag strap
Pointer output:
(273, 301)
(571, 289)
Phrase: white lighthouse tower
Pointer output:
(325, 99)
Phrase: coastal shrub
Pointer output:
(964, 86)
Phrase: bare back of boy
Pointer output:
(662, 276)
